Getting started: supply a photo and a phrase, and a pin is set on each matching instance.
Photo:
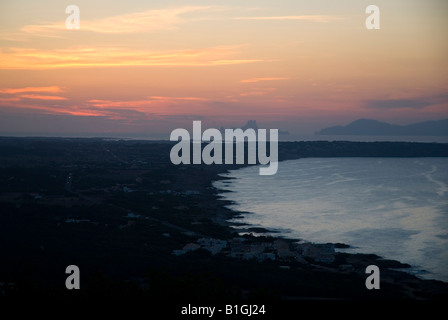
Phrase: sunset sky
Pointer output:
(152, 66)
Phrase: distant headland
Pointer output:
(369, 127)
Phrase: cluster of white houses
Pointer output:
(275, 250)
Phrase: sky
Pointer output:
(153, 66)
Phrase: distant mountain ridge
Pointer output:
(370, 127)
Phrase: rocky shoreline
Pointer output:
(393, 273)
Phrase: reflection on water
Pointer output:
(394, 207)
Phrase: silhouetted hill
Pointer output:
(374, 127)
(251, 124)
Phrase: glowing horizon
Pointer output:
(151, 67)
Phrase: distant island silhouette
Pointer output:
(252, 124)
(370, 127)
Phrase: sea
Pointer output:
(396, 208)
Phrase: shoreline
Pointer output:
(392, 271)
(247, 227)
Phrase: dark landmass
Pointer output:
(139, 227)
(370, 127)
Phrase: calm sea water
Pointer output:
(394, 207)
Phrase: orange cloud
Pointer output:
(157, 19)
(51, 89)
(179, 98)
(313, 18)
(155, 104)
(258, 92)
(118, 104)
(251, 80)
(55, 109)
(18, 58)
(8, 99)
(41, 97)
(35, 93)
(145, 21)
(45, 109)
(152, 107)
